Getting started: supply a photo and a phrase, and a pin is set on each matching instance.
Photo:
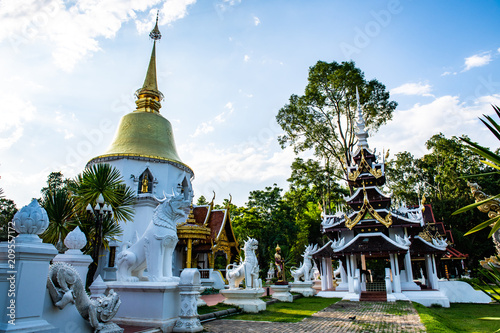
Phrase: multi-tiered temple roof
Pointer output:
(369, 225)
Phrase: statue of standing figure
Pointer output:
(280, 265)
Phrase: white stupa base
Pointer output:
(303, 288)
(148, 304)
(246, 299)
(282, 292)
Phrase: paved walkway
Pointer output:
(343, 316)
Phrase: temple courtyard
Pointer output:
(343, 316)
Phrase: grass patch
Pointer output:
(289, 312)
(214, 308)
(460, 318)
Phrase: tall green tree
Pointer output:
(437, 175)
(324, 118)
(269, 219)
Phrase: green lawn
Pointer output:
(289, 312)
(460, 318)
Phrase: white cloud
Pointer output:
(246, 58)
(477, 60)
(449, 73)
(70, 31)
(256, 21)
(218, 169)
(413, 89)
(15, 112)
(203, 128)
(207, 127)
(498, 50)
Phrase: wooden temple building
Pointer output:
(374, 242)
(208, 239)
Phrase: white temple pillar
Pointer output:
(434, 271)
(388, 284)
(393, 268)
(397, 279)
(409, 284)
(323, 274)
(430, 272)
(350, 281)
(329, 274)
(408, 269)
(357, 285)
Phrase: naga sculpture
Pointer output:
(305, 269)
(155, 248)
(65, 286)
(248, 270)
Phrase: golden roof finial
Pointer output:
(155, 34)
(149, 97)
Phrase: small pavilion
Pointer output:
(208, 237)
(373, 241)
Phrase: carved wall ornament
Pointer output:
(364, 167)
(75, 240)
(31, 219)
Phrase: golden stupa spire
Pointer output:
(149, 97)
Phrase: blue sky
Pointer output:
(69, 70)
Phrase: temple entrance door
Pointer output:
(375, 273)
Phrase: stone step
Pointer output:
(373, 296)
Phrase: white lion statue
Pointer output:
(305, 269)
(155, 248)
(248, 270)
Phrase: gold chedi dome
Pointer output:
(145, 133)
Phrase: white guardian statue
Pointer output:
(155, 248)
(305, 271)
(248, 270)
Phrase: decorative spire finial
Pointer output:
(155, 34)
(149, 97)
(361, 134)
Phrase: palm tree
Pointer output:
(60, 209)
(491, 159)
(101, 186)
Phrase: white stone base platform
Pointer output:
(282, 292)
(462, 292)
(304, 288)
(246, 299)
(428, 297)
(148, 304)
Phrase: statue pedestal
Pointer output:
(304, 288)
(148, 304)
(246, 299)
(24, 266)
(282, 292)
